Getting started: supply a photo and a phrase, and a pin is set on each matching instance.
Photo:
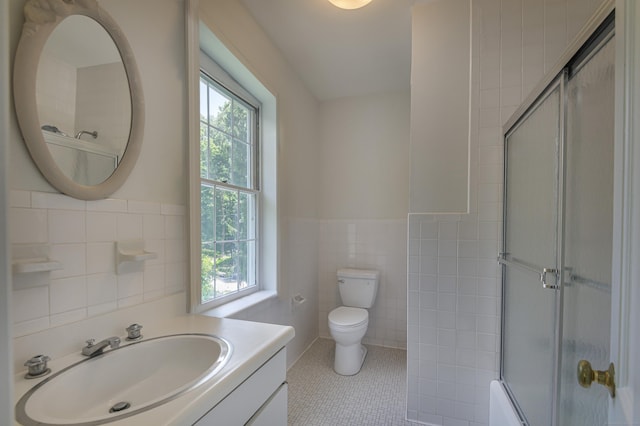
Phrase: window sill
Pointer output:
(239, 305)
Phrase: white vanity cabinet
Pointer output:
(260, 400)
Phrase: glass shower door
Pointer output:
(530, 258)
(558, 239)
(588, 235)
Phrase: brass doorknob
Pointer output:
(587, 375)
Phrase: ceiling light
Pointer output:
(350, 4)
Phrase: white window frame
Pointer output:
(219, 76)
(201, 44)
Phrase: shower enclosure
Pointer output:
(557, 247)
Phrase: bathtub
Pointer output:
(501, 412)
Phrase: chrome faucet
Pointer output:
(94, 349)
(86, 132)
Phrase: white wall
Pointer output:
(298, 166)
(453, 313)
(364, 154)
(159, 52)
(364, 201)
(440, 77)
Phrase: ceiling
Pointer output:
(339, 53)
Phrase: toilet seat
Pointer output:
(345, 317)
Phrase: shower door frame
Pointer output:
(558, 83)
(588, 39)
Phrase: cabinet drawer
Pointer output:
(274, 411)
(245, 400)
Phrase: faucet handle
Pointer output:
(90, 342)
(37, 366)
(133, 332)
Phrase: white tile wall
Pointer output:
(81, 236)
(453, 277)
(367, 244)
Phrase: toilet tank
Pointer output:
(358, 287)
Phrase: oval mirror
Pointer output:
(78, 97)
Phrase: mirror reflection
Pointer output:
(83, 100)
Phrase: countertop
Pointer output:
(252, 345)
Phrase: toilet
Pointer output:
(348, 323)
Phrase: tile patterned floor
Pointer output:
(375, 396)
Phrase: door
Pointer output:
(529, 319)
(588, 234)
(558, 243)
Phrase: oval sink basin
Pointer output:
(125, 381)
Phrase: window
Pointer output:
(233, 182)
(229, 192)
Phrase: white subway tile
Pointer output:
(101, 227)
(108, 205)
(447, 265)
(30, 304)
(68, 317)
(129, 226)
(447, 248)
(68, 294)
(72, 258)
(175, 227)
(28, 226)
(130, 301)
(173, 210)
(448, 230)
(153, 227)
(447, 284)
(175, 276)
(101, 258)
(487, 305)
(145, 207)
(447, 390)
(19, 198)
(67, 226)
(154, 278)
(130, 284)
(175, 251)
(24, 328)
(46, 200)
(467, 267)
(102, 308)
(102, 289)
(151, 295)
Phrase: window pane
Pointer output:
(207, 271)
(204, 101)
(246, 216)
(246, 264)
(240, 174)
(226, 204)
(207, 212)
(241, 122)
(219, 109)
(204, 150)
(227, 271)
(219, 156)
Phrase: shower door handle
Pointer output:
(587, 375)
(543, 278)
(543, 275)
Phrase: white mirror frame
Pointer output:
(41, 18)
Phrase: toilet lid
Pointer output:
(348, 317)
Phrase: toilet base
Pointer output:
(349, 359)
